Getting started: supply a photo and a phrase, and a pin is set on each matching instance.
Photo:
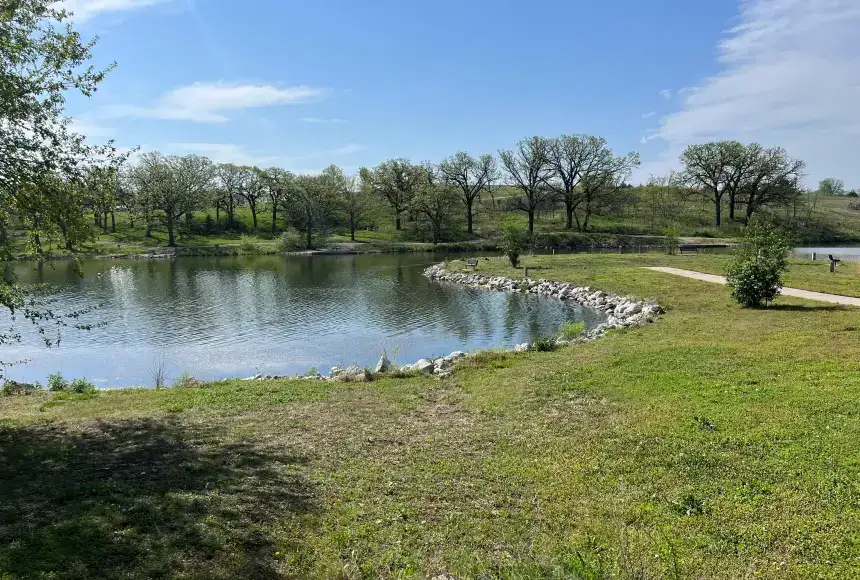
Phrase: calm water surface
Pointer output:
(225, 317)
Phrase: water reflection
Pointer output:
(217, 317)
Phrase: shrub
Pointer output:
(570, 330)
(10, 388)
(289, 242)
(544, 344)
(56, 382)
(513, 243)
(755, 273)
(670, 239)
(82, 386)
(248, 243)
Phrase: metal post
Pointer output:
(813, 256)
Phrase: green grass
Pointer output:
(715, 443)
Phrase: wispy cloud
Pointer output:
(329, 121)
(211, 102)
(791, 77)
(648, 115)
(666, 93)
(240, 155)
(84, 10)
(87, 128)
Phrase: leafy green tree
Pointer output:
(395, 181)
(471, 176)
(228, 181)
(172, 185)
(276, 181)
(251, 188)
(513, 243)
(434, 200)
(354, 199)
(102, 184)
(309, 199)
(773, 179)
(831, 186)
(602, 180)
(755, 272)
(529, 168)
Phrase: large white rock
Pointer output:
(521, 347)
(383, 365)
(424, 366)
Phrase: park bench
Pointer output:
(472, 263)
(833, 262)
(688, 249)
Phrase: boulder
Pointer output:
(384, 365)
(424, 366)
(457, 354)
(521, 347)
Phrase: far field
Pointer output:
(717, 442)
(831, 222)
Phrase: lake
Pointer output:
(225, 317)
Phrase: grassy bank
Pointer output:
(717, 442)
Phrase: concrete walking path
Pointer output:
(819, 296)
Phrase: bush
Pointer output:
(289, 242)
(10, 388)
(513, 243)
(248, 244)
(570, 330)
(544, 344)
(82, 386)
(670, 239)
(56, 382)
(755, 273)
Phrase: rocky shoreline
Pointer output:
(622, 311)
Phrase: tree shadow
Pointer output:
(143, 498)
(804, 308)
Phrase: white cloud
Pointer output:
(326, 121)
(666, 94)
(791, 77)
(238, 154)
(87, 128)
(210, 102)
(84, 10)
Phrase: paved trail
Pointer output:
(819, 296)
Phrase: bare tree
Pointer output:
(603, 179)
(529, 168)
(705, 172)
(774, 178)
(471, 176)
(571, 156)
(309, 199)
(395, 181)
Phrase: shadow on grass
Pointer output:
(142, 499)
(804, 308)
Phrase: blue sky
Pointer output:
(304, 84)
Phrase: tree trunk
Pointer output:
(469, 216)
(171, 239)
(585, 221)
(309, 234)
(217, 215)
(719, 211)
(531, 221)
(274, 217)
(104, 223)
(254, 216)
(731, 206)
(397, 223)
(113, 221)
(352, 228)
(568, 208)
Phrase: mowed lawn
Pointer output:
(715, 443)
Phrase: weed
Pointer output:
(571, 330)
(544, 344)
(56, 382)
